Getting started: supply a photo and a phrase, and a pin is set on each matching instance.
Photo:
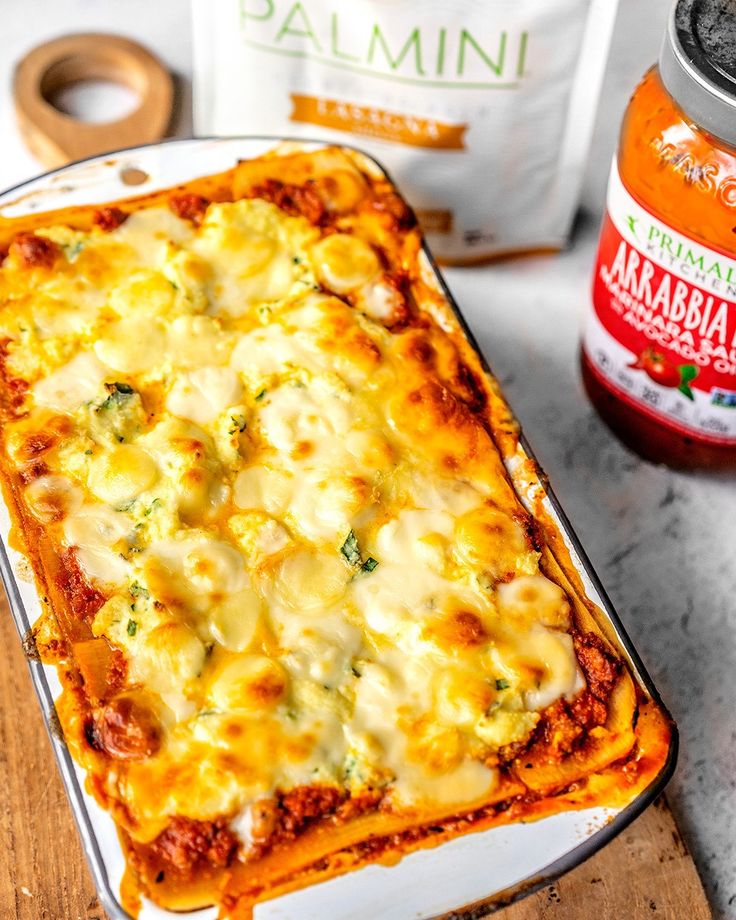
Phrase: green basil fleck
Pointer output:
(350, 549)
(118, 395)
(238, 423)
(72, 250)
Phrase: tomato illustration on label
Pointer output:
(656, 366)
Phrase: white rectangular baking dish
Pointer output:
(487, 868)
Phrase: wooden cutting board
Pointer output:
(646, 872)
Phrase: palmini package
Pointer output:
(480, 110)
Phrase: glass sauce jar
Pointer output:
(659, 348)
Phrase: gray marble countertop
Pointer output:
(660, 541)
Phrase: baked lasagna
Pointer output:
(306, 605)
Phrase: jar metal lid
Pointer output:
(697, 63)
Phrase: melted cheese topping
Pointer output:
(313, 560)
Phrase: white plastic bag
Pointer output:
(481, 110)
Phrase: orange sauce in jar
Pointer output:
(659, 349)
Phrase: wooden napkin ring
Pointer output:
(56, 138)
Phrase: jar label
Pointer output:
(662, 332)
